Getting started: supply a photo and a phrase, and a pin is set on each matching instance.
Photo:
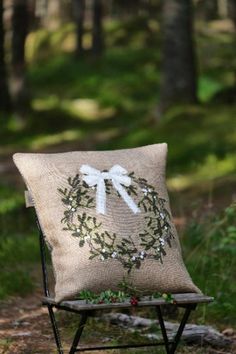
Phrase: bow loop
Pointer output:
(118, 170)
(120, 175)
(88, 170)
(119, 178)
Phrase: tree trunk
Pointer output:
(97, 32)
(20, 21)
(178, 83)
(232, 11)
(192, 334)
(4, 94)
(222, 8)
(209, 9)
(79, 8)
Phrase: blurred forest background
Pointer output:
(94, 74)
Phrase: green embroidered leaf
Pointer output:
(81, 243)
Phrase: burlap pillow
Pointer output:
(106, 217)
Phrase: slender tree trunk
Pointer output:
(222, 8)
(232, 15)
(209, 9)
(20, 22)
(4, 93)
(97, 32)
(232, 11)
(179, 81)
(79, 7)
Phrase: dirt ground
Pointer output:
(25, 329)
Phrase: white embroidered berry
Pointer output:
(69, 207)
(70, 198)
(133, 258)
(73, 209)
(78, 230)
(145, 191)
(114, 254)
(103, 250)
(102, 258)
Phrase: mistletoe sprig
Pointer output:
(79, 198)
(158, 229)
(111, 297)
(134, 293)
(127, 292)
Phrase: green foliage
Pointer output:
(127, 293)
(210, 252)
(15, 282)
(18, 253)
(105, 297)
(9, 200)
(18, 249)
(130, 290)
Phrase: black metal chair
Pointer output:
(187, 301)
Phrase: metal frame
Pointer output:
(170, 345)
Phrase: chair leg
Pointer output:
(55, 330)
(78, 333)
(183, 322)
(163, 329)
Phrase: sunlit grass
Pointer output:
(207, 87)
(87, 109)
(210, 169)
(44, 140)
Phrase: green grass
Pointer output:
(210, 255)
(18, 254)
(18, 245)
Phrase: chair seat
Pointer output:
(82, 305)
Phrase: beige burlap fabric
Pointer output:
(106, 217)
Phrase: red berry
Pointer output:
(134, 301)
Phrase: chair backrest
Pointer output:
(29, 202)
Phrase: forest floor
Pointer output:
(25, 329)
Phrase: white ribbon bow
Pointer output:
(119, 178)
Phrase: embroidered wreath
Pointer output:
(79, 197)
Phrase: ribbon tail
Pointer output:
(101, 197)
(129, 201)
